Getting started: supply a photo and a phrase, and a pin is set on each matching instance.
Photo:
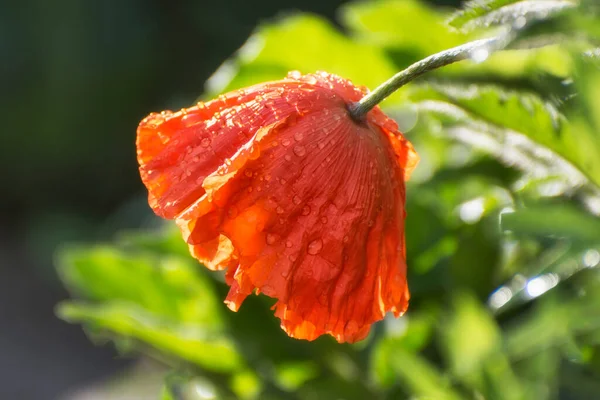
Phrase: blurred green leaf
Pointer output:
(467, 353)
(477, 13)
(504, 115)
(420, 377)
(246, 384)
(167, 285)
(187, 342)
(557, 220)
(411, 333)
(476, 262)
(393, 24)
(291, 375)
(302, 42)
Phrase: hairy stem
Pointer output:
(478, 49)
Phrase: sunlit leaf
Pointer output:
(393, 23)
(411, 333)
(302, 42)
(556, 220)
(291, 375)
(420, 377)
(246, 384)
(510, 114)
(477, 13)
(188, 342)
(166, 285)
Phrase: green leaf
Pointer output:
(467, 353)
(557, 220)
(302, 42)
(246, 384)
(170, 286)
(421, 377)
(411, 333)
(475, 9)
(483, 13)
(519, 122)
(189, 342)
(394, 24)
(292, 375)
(476, 358)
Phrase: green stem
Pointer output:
(470, 50)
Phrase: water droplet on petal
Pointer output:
(287, 157)
(271, 238)
(310, 79)
(280, 210)
(293, 257)
(288, 244)
(321, 145)
(296, 200)
(248, 173)
(346, 238)
(315, 247)
(285, 142)
(205, 142)
(305, 210)
(232, 212)
(300, 151)
(298, 136)
(323, 220)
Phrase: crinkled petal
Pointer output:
(293, 197)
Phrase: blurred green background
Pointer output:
(503, 234)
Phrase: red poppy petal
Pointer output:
(299, 202)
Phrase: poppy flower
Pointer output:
(278, 185)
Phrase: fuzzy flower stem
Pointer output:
(446, 57)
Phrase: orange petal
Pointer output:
(294, 198)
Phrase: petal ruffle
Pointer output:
(293, 197)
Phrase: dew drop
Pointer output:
(248, 173)
(346, 238)
(271, 239)
(300, 151)
(285, 142)
(287, 157)
(305, 210)
(293, 257)
(282, 181)
(296, 200)
(315, 247)
(321, 145)
(324, 220)
(205, 142)
(298, 136)
(310, 79)
(288, 244)
(280, 210)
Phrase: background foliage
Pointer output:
(503, 228)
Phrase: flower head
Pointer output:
(277, 184)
